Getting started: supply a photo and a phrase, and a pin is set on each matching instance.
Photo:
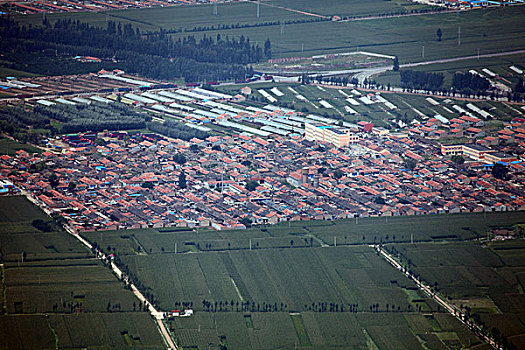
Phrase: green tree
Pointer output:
(458, 159)
(251, 185)
(71, 186)
(246, 221)
(410, 163)
(268, 49)
(182, 180)
(53, 181)
(149, 184)
(499, 171)
(395, 68)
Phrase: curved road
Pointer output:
(362, 74)
(374, 71)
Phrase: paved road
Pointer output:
(367, 73)
(362, 74)
(463, 58)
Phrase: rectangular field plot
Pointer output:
(273, 279)
(322, 330)
(106, 331)
(151, 241)
(72, 286)
(19, 237)
(54, 245)
(452, 227)
(19, 209)
(26, 332)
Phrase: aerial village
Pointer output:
(275, 165)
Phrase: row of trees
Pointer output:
(226, 26)
(253, 306)
(421, 80)
(16, 122)
(470, 83)
(177, 130)
(93, 117)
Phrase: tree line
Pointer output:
(156, 55)
(418, 80)
(93, 117)
(177, 130)
(468, 83)
(226, 26)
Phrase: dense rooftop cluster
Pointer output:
(135, 182)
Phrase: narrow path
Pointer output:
(291, 10)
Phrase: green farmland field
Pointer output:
(455, 227)
(492, 30)
(233, 13)
(106, 331)
(325, 331)
(487, 279)
(313, 275)
(39, 288)
(93, 331)
(18, 235)
(281, 281)
(54, 294)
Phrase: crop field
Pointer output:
(400, 229)
(106, 331)
(93, 330)
(18, 236)
(151, 241)
(232, 13)
(354, 276)
(499, 65)
(428, 228)
(9, 147)
(488, 279)
(72, 285)
(26, 332)
(19, 210)
(347, 275)
(323, 330)
(348, 8)
(53, 273)
(494, 30)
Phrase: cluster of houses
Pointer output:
(231, 181)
